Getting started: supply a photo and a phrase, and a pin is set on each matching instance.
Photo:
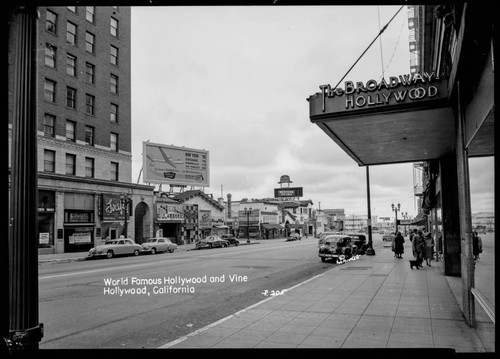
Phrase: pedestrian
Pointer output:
(477, 245)
(428, 248)
(417, 245)
(398, 245)
(413, 234)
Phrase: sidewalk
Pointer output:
(373, 302)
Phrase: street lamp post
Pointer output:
(405, 216)
(396, 209)
(125, 201)
(247, 213)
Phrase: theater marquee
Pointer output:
(384, 121)
(403, 89)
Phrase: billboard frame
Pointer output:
(174, 166)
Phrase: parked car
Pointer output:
(231, 239)
(337, 247)
(155, 245)
(211, 242)
(359, 239)
(293, 237)
(116, 247)
(388, 236)
(323, 235)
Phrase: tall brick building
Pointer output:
(84, 129)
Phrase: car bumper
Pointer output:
(331, 256)
(91, 255)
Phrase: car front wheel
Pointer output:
(110, 254)
(136, 252)
(153, 250)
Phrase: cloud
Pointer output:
(234, 81)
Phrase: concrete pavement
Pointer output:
(373, 302)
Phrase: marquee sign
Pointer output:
(401, 90)
(288, 192)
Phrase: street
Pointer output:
(146, 301)
(91, 304)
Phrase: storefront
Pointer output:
(249, 224)
(205, 223)
(115, 215)
(46, 219)
(190, 229)
(79, 222)
(169, 218)
(272, 230)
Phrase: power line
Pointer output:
(359, 58)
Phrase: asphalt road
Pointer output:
(81, 308)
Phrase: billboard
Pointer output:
(175, 165)
(288, 192)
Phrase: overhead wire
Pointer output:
(395, 46)
(375, 39)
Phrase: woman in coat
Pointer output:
(417, 246)
(398, 245)
(428, 248)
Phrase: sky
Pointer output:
(234, 81)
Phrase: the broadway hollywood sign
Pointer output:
(404, 89)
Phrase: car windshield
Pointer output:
(111, 242)
(151, 240)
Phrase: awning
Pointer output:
(221, 227)
(271, 226)
(419, 220)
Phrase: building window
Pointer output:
(89, 13)
(89, 135)
(72, 9)
(70, 164)
(71, 65)
(49, 91)
(50, 55)
(90, 73)
(90, 104)
(49, 161)
(51, 22)
(114, 55)
(114, 27)
(114, 84)
(89, 42)
(49, 124)
(113, 116)
(70, 131)
(113, 140)
(114, 171)
(71, 33)
(71, 98)
(89, 167)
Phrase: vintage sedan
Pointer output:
(231, 239)
(323, 236)
(359, 239)
(116, 247)
(293, 237)
(156, 245)
(210, 242)
(337, 247)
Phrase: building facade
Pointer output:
(84, 130)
